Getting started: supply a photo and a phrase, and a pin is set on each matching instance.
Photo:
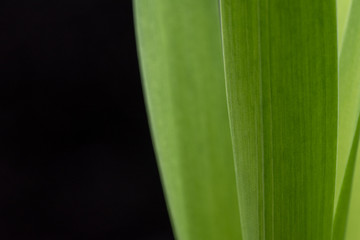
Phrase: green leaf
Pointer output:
(343, 9)
(180, 53)
(342, 208)
(282, 88)
(349, 110)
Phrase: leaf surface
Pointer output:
(349, 110)
(343, 13)
(282, 88)
(342, 208)
(180, 54)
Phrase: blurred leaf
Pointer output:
(342, 208)
(343, 9)
(180, 53)
(349, 110)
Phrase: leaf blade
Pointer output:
(281, 74)
(349, 109)
(343, 9)
(180, 52)
(342, 208)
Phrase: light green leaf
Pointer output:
(180, 53)
(342, 207)
(349, 110)
(343, 9)
(282, 88)
(349, 90)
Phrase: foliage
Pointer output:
(293, 95)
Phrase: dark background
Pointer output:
(76, 160)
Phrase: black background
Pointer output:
(76, 159)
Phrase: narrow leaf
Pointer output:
(349, 110)
(180, 53)
(281, 75)
(342, 208)
(343, 13)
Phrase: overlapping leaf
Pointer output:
(348, 181)
(180, 52)
(282, 86)
(281, 66)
